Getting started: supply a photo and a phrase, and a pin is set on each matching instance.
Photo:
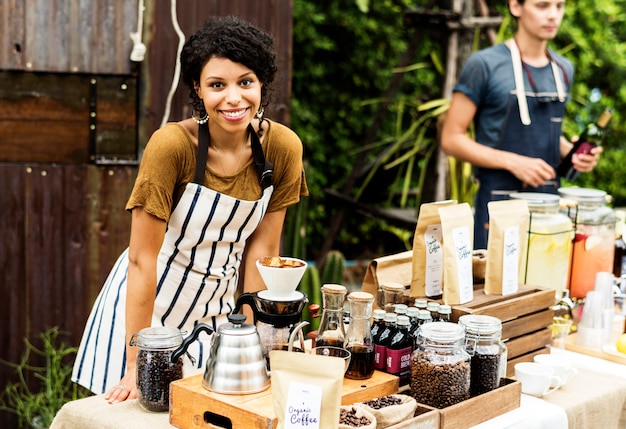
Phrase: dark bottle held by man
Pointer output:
(591, 137)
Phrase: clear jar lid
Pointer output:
(538, 201)
(481, 325)
(583, 195)
(442, 332)
(157, 337)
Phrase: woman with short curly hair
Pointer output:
(210, 199)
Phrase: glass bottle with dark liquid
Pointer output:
(331, 332)
(359, 337)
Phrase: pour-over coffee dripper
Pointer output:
(276, 314)
(281, 276)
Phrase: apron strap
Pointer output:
(203, 153)
(518, 74)
(264, 168)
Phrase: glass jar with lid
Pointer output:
(440, 366)
(594, 242)
(155, 369)
(389, 294)
(488, 353)
(547, 259)
(359, 340)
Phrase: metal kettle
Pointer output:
(236, 364)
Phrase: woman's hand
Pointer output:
(125, 389)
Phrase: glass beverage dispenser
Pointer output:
(546, 261)
(594, 242)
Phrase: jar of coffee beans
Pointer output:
(440, 366)
(488, 352)
(155, 369)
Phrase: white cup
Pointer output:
(537, 379)
(562, 366)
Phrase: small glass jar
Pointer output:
(331, 331)
(389, 294)
(546, 260)
(488, 353)
(594, 243)
(440, 366)
(155, 369)
(359, 336)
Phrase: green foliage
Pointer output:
(345, 53)
(53, 378)
(343, 58)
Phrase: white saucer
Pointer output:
(293, 296)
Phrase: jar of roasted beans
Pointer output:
(155, 368)
(440, 366)
(488, 352)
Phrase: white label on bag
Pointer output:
(510, 260)
(304, 405)
(434, 260)
(463, 249)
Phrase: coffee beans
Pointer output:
(385, 401)
(485, 373)
(439, 382)
(348, 416)
(155, 372)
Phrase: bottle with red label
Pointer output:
(399, 351)
(380, 346)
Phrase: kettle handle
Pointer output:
(190, 339)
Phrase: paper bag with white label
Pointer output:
(299, 382)
(427, 268)
(508, 237)
(457, 226)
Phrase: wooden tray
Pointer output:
(468, 413)
(192, 406)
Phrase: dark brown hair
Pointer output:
(232, 38)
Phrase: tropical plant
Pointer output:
(53, 379)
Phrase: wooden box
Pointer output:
(526, 318)
(192, 406)
(468, 413)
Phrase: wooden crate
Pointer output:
(526, 318)
(471, 412)
(192, 406)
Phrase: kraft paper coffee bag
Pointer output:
(457, 223)
(508, 238)
(427, 267)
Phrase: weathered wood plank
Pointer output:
(47, 118)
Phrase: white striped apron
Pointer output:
(197, 275)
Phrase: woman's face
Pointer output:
(231, 93)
